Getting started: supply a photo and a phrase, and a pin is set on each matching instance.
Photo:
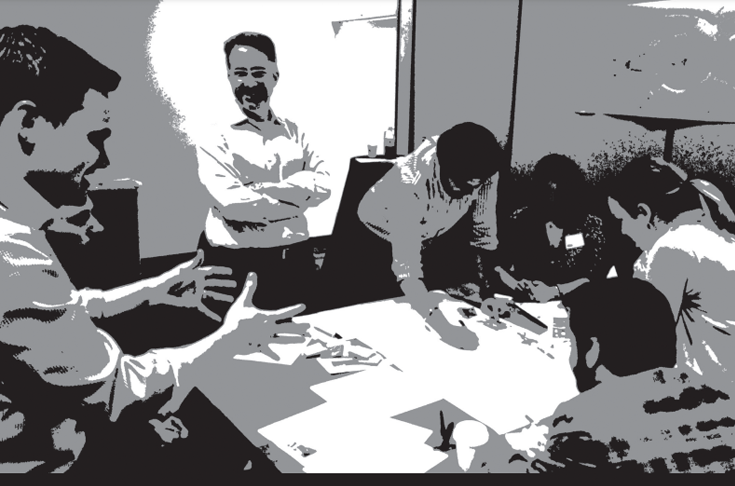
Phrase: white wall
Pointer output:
(464, 58)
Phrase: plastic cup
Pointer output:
(468, 435)
(372, 150)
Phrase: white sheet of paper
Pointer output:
(513, 373)
(346, 442)
(288, 354)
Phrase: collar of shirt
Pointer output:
(262, 127)
(66, 219)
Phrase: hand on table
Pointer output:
(537, 291)
(187, 284)
(508, 279)
(252, 330)
(170, 429)
(497, 308)
(421, 300)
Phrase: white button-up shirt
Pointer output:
(55, 360)
(262, 177)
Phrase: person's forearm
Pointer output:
(413, 287)
(568, 287)
(108, 303)
(175, 369)
(304, 189)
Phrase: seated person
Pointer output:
(427, 192)
(64, 383)
(685, 255)
(556, 242)
(635, 412)
(262, 174)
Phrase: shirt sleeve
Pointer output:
(308, 187)
(57, 351)
(407, 260)
(391, 211)
(485, 216)
(235, 199)
(666, 269)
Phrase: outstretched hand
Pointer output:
(189, 283)
(255, 329)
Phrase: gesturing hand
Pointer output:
(187, 284)
(255, 329)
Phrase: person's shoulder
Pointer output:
(290, 125)
(692, 240)
(19, 248)
(293, 130)
(211, 135)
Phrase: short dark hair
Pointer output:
(50, 70)
(559, 170)
(261, 42)
(560, 190)
(470, 151)
(631, 320)
(644, 181)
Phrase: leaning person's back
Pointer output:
(705, 257)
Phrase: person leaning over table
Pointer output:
(65, 386)
(686, 256)
(262, 173)
(427, 192)
(635, 411)
(556, 242)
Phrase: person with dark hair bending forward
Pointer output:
(427, 192)
(635, 411)
(262, 174)
(686, 255)
(556, 242)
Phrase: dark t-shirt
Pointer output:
(527, 249)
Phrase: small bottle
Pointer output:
(389, 139)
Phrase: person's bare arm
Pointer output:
(183, 286)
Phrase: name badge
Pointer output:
(574, 241)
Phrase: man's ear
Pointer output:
(645, 211)
(23, 114)
(276, 75)
(22, 119)
(593, 355)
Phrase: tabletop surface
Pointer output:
(385, 418)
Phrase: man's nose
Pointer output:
(248, 81)
(97, 139)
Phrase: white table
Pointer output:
(312, 421)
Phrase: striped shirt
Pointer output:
(667, 420)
